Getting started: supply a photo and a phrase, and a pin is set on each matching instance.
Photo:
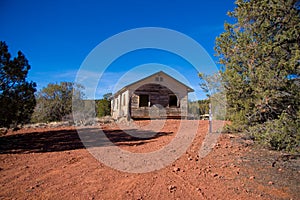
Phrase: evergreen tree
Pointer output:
(17, 98)
(103, 105)
(260, 56)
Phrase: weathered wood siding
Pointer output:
(158, 102)
(150, 112)
(158, 94)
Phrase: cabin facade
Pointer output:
(156, 96)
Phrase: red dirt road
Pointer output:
(53, 164)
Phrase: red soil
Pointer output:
(54, 164)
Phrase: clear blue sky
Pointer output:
(56, 36)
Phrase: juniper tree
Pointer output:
(260, 55)
(17, 98)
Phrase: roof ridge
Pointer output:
(156, 73)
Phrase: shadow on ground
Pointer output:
(64, 140)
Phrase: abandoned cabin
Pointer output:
(156, 96)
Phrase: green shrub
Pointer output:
(103, 107)
(279, 134)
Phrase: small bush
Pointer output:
(279, 134)
(103, 107)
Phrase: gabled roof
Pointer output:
(189, 89)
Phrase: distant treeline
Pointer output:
(198, 108)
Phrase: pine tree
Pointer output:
(260, 58)
(17, 98)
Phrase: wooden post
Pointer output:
(210, 119)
